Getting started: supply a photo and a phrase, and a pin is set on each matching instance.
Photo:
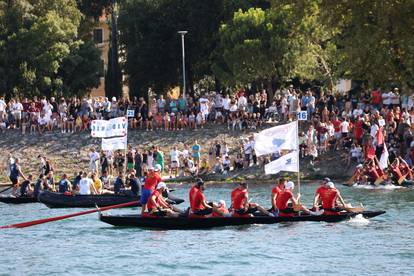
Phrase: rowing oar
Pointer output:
(40, 221)
(8, 188)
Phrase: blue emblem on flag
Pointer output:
(289, 161)
(278, 142)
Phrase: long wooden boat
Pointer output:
(57, 200)
(184, 223)
(18, 200)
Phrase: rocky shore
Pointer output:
(69, 152)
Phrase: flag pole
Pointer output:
(298, 152)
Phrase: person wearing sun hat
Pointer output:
(157, 205)
(286, 197)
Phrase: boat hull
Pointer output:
(18, 200)
(184, 223)
(56, 200)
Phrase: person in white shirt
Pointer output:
(175, 161)
(94, 160)
(395, 97)
(242, 103)
(3, 106)
(85, 185)
(17, 109)
(345, 128)
(386, 99)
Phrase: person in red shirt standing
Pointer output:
(289, 205)
(241, 204)
(150, 183)
(198, 203)
(329, 196)
(157, 205)
(279, 187)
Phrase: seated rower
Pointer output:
(39, 187)
(319, 190)
(222, 210)
(97, 184)
(241, 204)
(64, 184)
(329, 196)
(119, 183)
(280, 186)
(286, 197)
(198, 203)
(157, 205)
(26, 188)
(86, 185)
(75, 182)
(134, 184)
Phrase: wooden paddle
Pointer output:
(8, 188)
(40, 221)
(401, 180)
(379, 181)
(358, 209)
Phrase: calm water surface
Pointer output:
(85, 246)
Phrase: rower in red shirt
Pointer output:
(157, 205)
(319, 190)
(280, 186)
(198, 203)
(152, 180)
(286, 197)
(222, 210)
(241, 204)
(329, 197)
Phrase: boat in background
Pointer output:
(58, 200)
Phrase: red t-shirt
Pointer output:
(337, 125)
(320, 190)
(238, 198)
(358, 129)
(370, 152)
(376, 97)
(328, 197)
(152, 181)
(151, 205)
(283, 199)
(191, 195)
(197, 200)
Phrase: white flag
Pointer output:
(288, 163)
(114, 127)
(383, 163)
(119, 143)
(284, 137)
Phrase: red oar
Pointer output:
(40, 221)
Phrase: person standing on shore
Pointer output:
(93, 160)
(196, 152)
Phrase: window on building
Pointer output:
(98, 36)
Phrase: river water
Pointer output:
(85, 246)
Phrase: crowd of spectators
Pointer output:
(355, 122)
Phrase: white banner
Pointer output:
(383, 162)
(284, 137)
(119, 143)
(288, 163)
(114, 127)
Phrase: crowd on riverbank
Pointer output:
(359, 123)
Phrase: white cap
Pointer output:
(151, 168)
(114, 99)
(330, 185)
(359, 166)
(161, 185)
(157, 167)
(222, 203)
(289, 185)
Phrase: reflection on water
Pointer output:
(84, 245)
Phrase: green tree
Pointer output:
(36, 37)
(376, 39)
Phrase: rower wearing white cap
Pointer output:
(329, 197)
(319, 190)
(157, 205)
(285, 197)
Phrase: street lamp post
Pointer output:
(183, 33)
